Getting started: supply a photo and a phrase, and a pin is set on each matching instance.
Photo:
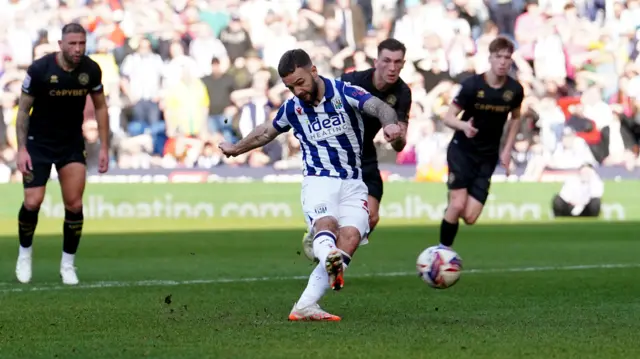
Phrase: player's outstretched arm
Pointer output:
(260, 136)
(22, 121)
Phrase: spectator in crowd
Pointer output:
(182, 76)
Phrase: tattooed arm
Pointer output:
(377, 108)
(22, 121)
(368, 104)
(259, 137)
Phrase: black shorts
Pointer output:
(44, 156)
(373, 180)
(470, 171)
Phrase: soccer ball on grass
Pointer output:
(439, 266)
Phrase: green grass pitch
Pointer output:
(563, 290)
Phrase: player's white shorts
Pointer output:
(343, 199)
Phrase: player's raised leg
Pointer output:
(72, 178)
(478, 191)
(354, 219)
(472, 210)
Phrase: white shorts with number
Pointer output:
(343, 199)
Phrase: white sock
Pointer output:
(318, 284)
(25, 252)
(67, 258)
(323, 243)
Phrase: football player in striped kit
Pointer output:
(326, 117)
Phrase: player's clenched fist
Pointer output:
(391, 132)
(468, 128)
(228, 149)
(24, 161)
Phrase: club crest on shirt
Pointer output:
(83, 79)
(507, 95)
(337, 103)
(391, 100)
(53, 79)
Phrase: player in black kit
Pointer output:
(382, 81)
(486, 99)
(49, 132)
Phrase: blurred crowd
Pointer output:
(182, 75)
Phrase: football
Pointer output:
(440, 267)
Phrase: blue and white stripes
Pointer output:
(331, 133)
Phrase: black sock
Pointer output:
(346, 259)
(448, 233)
(72, 231)
(27, 222)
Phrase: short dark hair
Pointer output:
(391, 45)
(73, 28)
(291, 60)
(501, 43)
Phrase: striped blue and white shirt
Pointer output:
(331, 133)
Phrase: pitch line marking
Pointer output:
(170, 283)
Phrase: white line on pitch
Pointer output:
(170, 283)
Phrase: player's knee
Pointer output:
(457, 203)
(456, 206)
(33, 199)
(470, 218)
(74, 206)
(473, 209)
(328, 223)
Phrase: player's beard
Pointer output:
(313, 94)
(71, 59)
